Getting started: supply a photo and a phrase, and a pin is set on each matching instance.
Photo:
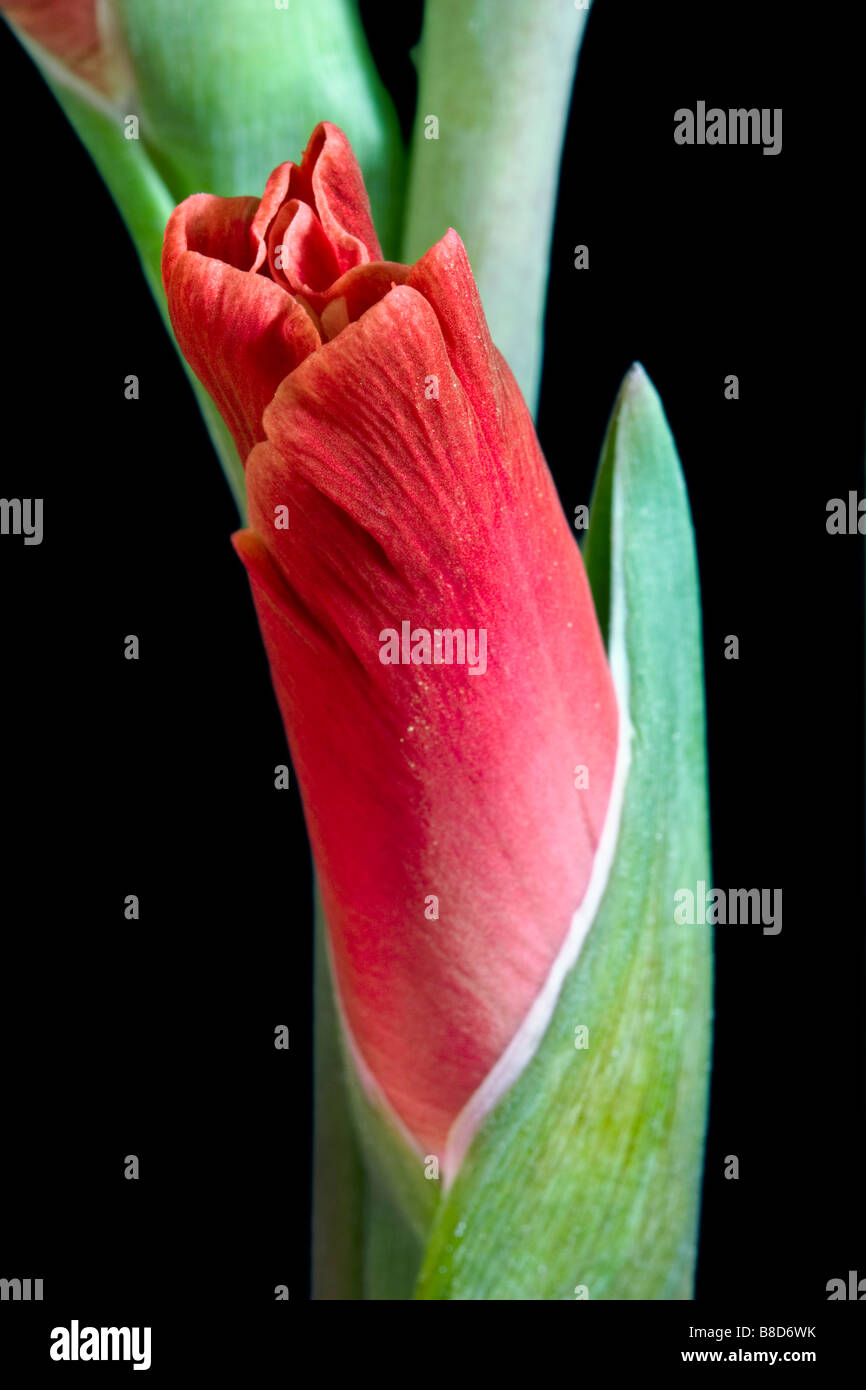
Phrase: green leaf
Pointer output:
(587, 1174)
(497, 77)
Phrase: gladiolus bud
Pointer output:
(431, 633)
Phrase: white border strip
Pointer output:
(526, 1040)
(370, 1087)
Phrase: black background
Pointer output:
(156, 777)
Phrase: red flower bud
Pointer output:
(431, 633)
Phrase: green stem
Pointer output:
(392, 1253)
(497, 76)
(145, 204)
(338, 1175)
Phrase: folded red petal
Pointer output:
(329, 181)
(240, 333)
(300, 255)
(275, 194)
(340, 198)
(424, 781)
(220, 228)
(363, 287)
(445, 279)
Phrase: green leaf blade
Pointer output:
(497, 76)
